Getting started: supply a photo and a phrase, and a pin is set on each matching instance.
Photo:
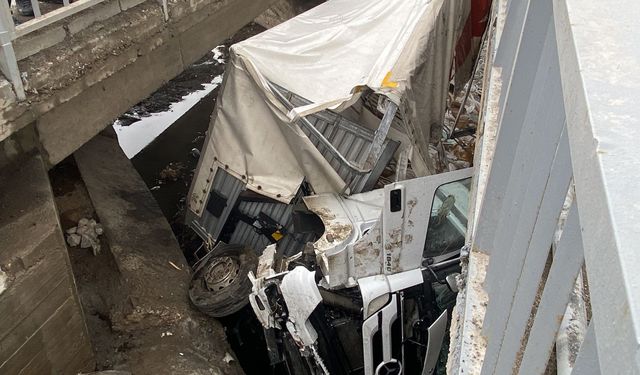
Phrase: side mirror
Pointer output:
(452, 281)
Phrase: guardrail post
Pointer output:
(599, 53)
(8, 62)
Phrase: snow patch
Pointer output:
(3, 281)
(217, 54)
(135, 137)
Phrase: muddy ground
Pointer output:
(189, 345)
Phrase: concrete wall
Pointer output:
(282, 10)
(84, 72)
(42, 329)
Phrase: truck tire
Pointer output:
(221, 287)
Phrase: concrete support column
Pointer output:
(42, 329)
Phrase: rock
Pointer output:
(85, 242)
(86, 235)
(228, 358)
(73, 239)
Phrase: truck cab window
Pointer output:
(448, 220)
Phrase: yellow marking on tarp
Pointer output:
(387, 82)
(277, 235)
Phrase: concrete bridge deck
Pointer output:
(81, 72)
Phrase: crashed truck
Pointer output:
(315, 194)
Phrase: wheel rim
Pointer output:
(221, 273)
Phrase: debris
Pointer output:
(3, 281)
(181, 353)
(456, 148)
(198, 138)
(172, 172)
(166, 334)
(219, 53)
(74, 239)
(86, 235)
(174, 266)
(228, 358)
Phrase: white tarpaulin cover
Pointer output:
(401, 48)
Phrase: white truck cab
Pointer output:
(378, 254)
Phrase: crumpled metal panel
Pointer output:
(351, 140)
(282, 213)
(208, 226)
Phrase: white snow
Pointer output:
(3, 281)
(217, 54)
(135, 137)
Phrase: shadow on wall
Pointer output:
(284, 10)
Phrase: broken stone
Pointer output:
(73, 239)
(85, 242)
(85, 235)
(227, 357)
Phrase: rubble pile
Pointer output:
(455, 150)
(85, 235)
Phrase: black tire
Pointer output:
(231, 295)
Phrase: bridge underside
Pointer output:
(83, 72)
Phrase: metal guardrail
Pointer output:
(562, 94)
(9, 32)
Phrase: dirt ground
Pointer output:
(184, 346)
